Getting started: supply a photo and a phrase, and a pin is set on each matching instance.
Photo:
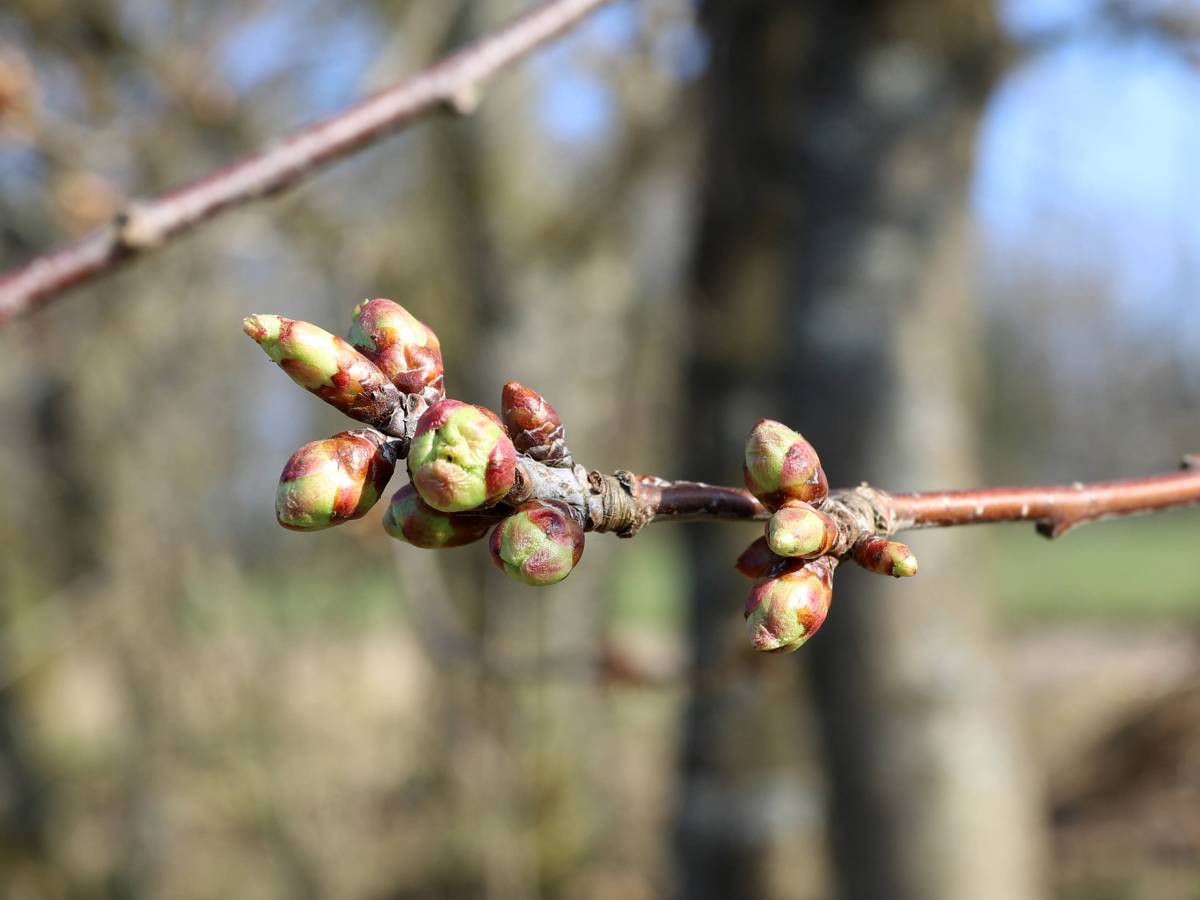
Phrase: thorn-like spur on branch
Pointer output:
(473, 471)
(453, 84)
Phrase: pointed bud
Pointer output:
(781, 465)
(409, 518)
(332, 481)
(884, 557)
(329, 367)
(460, 457)
(784, 611)
(539, 544)
(798, 530)
(759, 560)
(536, 429)
(405, 349)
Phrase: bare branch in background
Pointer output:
(452, 85)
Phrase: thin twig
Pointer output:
(452, 85)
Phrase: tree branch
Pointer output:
(451, 85)
(623, 503)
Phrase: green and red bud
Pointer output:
(785, 610)
(461, 457)
(535, 426)
(799, 530)
(884, 557)
(332, 481)
(405, 349)
(759, 560)
(329, 367)
(409, 518)
(781, 465)
(539, 544)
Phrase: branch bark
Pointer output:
(623, 503)
(451, 85)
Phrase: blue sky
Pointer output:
(1088, 166)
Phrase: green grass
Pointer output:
(648, 582)
(316, 599)
(1138, 568)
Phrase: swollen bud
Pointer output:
(759, 560)
(405, 349)
(884, 557)
(332, 481)
(536, 429)
(784, 611)
(798, 530)
(781, 465)
(539, 544)
(461, 458)
(329, 367)
(409, 518)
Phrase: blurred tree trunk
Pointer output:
(834, 218)
(727, 836)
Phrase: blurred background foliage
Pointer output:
(953, 244)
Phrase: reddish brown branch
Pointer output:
(688, 500)
(1054, 508)
(453, 84)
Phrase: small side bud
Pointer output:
(799, 530)
(781, 465)
(539, 544)
(784, 611)
(884, 557)
(409, 518)
(759, 560)
(460, 457)
(327, 366)
(332, 481)
(536, 429)
(405, 349)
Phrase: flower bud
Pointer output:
(460, 457)
(539, 544)
(781, 465)
(784, 611)
(409, 518)
(405, 349)
(798, 530)
(759, 560)
(884, 557)
(536, 429)
(329, 367)
(329, 482)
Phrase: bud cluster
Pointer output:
(461, 460)
(466, 477)
(793, 561)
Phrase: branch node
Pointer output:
(1050, 528)
(135, 228)
(464, 99)
(616, 507)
